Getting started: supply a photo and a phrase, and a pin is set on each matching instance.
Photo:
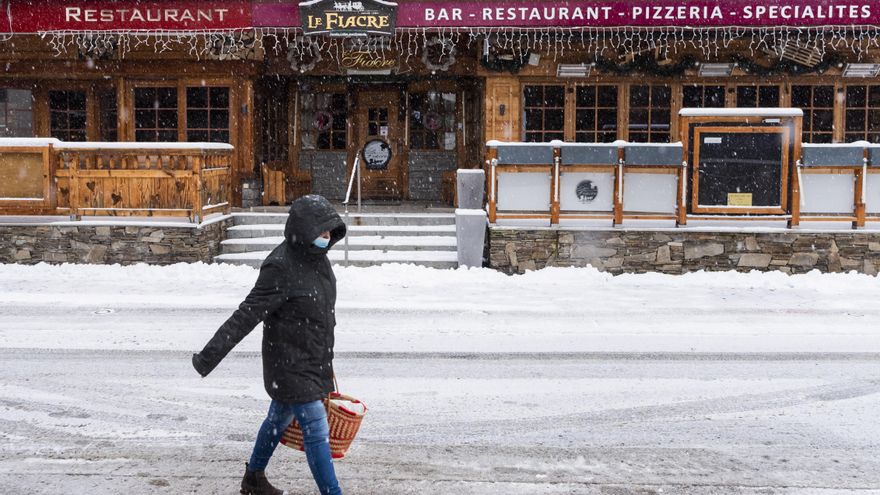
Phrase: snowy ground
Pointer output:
(557, 381)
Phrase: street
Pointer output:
(79, 421)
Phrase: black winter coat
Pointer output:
(295, 297)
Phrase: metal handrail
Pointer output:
(355, 172)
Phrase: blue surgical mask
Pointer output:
(321, 242)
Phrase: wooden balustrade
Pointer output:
(617, 161)
(135, 179)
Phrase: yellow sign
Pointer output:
(739, 199)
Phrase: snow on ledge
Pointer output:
(470, 171)
(495, 144)
(28, 142)
(741, 112)
(58, 144)
(85, 145)
(470, 212)
(854, 144)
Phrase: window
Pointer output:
(703, 96)
(207, 115)
(757, 96)
(595, 114)
(649, 114)
(67, 115)
(155, 114)
(16, 113)
(544, 112)
(323, 125)
(817, 102)
(432, 121)
(107, 115)
(862, 119)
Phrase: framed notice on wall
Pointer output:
(740, 169)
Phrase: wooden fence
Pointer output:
(117, 179)
(637, 181)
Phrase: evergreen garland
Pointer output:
(786, 66)
(647, 65)
(498, 64)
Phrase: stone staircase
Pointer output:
(426, 239)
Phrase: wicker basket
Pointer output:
(343, 424)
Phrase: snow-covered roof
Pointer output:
(741, 112)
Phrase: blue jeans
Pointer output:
(316, 437)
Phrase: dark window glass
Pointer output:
(595, 112)
(649, 113)
(207, 114)
(862, 115)
(107, 115)
(817, 102)
(155, 114)
(433, 123)
(323, 118)
(67, 115)
(703, 96)
(543, 112)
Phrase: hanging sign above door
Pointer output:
(348, 17)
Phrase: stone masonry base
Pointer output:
(631, 251)
(99, 244)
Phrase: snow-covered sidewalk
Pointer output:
(404, 308)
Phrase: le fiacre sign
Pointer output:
(354, 17)
(348, 17)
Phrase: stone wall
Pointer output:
(329, 172)
(426, 174)
(99, 244)
(680, 251)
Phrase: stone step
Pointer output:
(277, 230)
(434, 259)
(251, 218)
(355, 243)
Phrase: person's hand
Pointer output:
(200, 365)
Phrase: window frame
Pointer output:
(33, 109)
(864, 134)
(440, 137)
(674, 92)
(181, 85)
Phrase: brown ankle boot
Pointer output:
(255, 483)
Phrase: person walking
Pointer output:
(294, 297)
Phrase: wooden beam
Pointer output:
(555, 176)
(618, 187)
(492, 183)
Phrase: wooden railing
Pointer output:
(602, 181)
(133, 179)
(633, 181)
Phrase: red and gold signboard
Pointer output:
(353, 17)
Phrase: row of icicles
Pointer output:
(515, 42)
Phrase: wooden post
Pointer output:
(859, 193)
(795, 219)
(196, 215)
(618, 187)
(50, 157)
(681, 200)
(492, 183)
(74, 187)
(554, 185)
(795, 200)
